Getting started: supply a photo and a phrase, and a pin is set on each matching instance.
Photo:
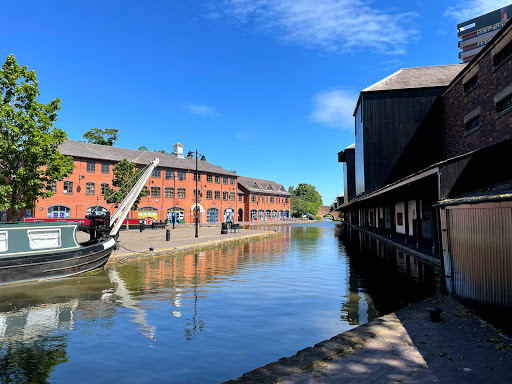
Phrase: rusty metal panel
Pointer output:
(480, 250)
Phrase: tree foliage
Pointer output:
(125, 177)
(29, 144)
(107, 136)
(305, 199)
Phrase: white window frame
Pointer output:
(2, 249)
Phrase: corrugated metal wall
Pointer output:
(480, 253)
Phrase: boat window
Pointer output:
(44, 238)
(3, 241)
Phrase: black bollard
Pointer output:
(435, 314)
(167, 235)
(141, 224)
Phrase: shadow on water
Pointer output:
(381, 277)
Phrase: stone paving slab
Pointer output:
(135, 244)
(402, 347)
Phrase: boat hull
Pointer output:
(53, 265)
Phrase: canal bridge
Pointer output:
(328, 212)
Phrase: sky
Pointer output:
(263, 87)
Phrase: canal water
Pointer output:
(205, 317)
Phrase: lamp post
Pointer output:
(196, 155)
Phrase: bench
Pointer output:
(157, 224)
(235, 228)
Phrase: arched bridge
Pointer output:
(327, 211)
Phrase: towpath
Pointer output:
(136, 245)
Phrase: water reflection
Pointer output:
(35, 319)
(206, 317)
(381, 278)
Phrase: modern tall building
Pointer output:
(477, 32)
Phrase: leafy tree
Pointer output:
(143, 148)
(125, 177)
(160, 151)
(107, 136)
(305, 199)
(29, 144)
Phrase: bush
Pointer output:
(310, 216)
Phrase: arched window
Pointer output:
(212, 215)
(59, 211)
(280, 213)
(274, 214)
(287, 214)
(254, 214)
(178, 212)
(261, 214)
(96, 208)
(269, 214)
(148, 213)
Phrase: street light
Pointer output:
(196, 155)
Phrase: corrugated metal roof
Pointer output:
(261, 186)
(418, 77)
(104, 152)
(497, 192)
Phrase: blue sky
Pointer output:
(263, 87)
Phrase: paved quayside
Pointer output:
(135, 244)
(402, 347)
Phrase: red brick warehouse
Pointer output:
(171, 186)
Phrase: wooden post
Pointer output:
(419, 227)
(406, 214)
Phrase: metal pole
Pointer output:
(195, 208)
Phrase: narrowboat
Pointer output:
(42, 250)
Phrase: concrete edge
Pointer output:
(173, 251)
(343, 344)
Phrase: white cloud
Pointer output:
(202, 110)
(334, 108)
(330, 25)
(468, 9)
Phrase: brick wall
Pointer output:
(78, 201)
(457, 105)
(264, 202)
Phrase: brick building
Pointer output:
(171, 186)
(477, 103)
(264, 200)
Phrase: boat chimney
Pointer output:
(178, 150)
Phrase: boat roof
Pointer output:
(38, 223)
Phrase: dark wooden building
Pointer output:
(398, 125)
(347, 157)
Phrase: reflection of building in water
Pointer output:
(190, 277)
(380, 275)
(212, 264)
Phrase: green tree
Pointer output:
(107, 136)
(143, 148)
(125, 177)
(29, 144)
(305, 199)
